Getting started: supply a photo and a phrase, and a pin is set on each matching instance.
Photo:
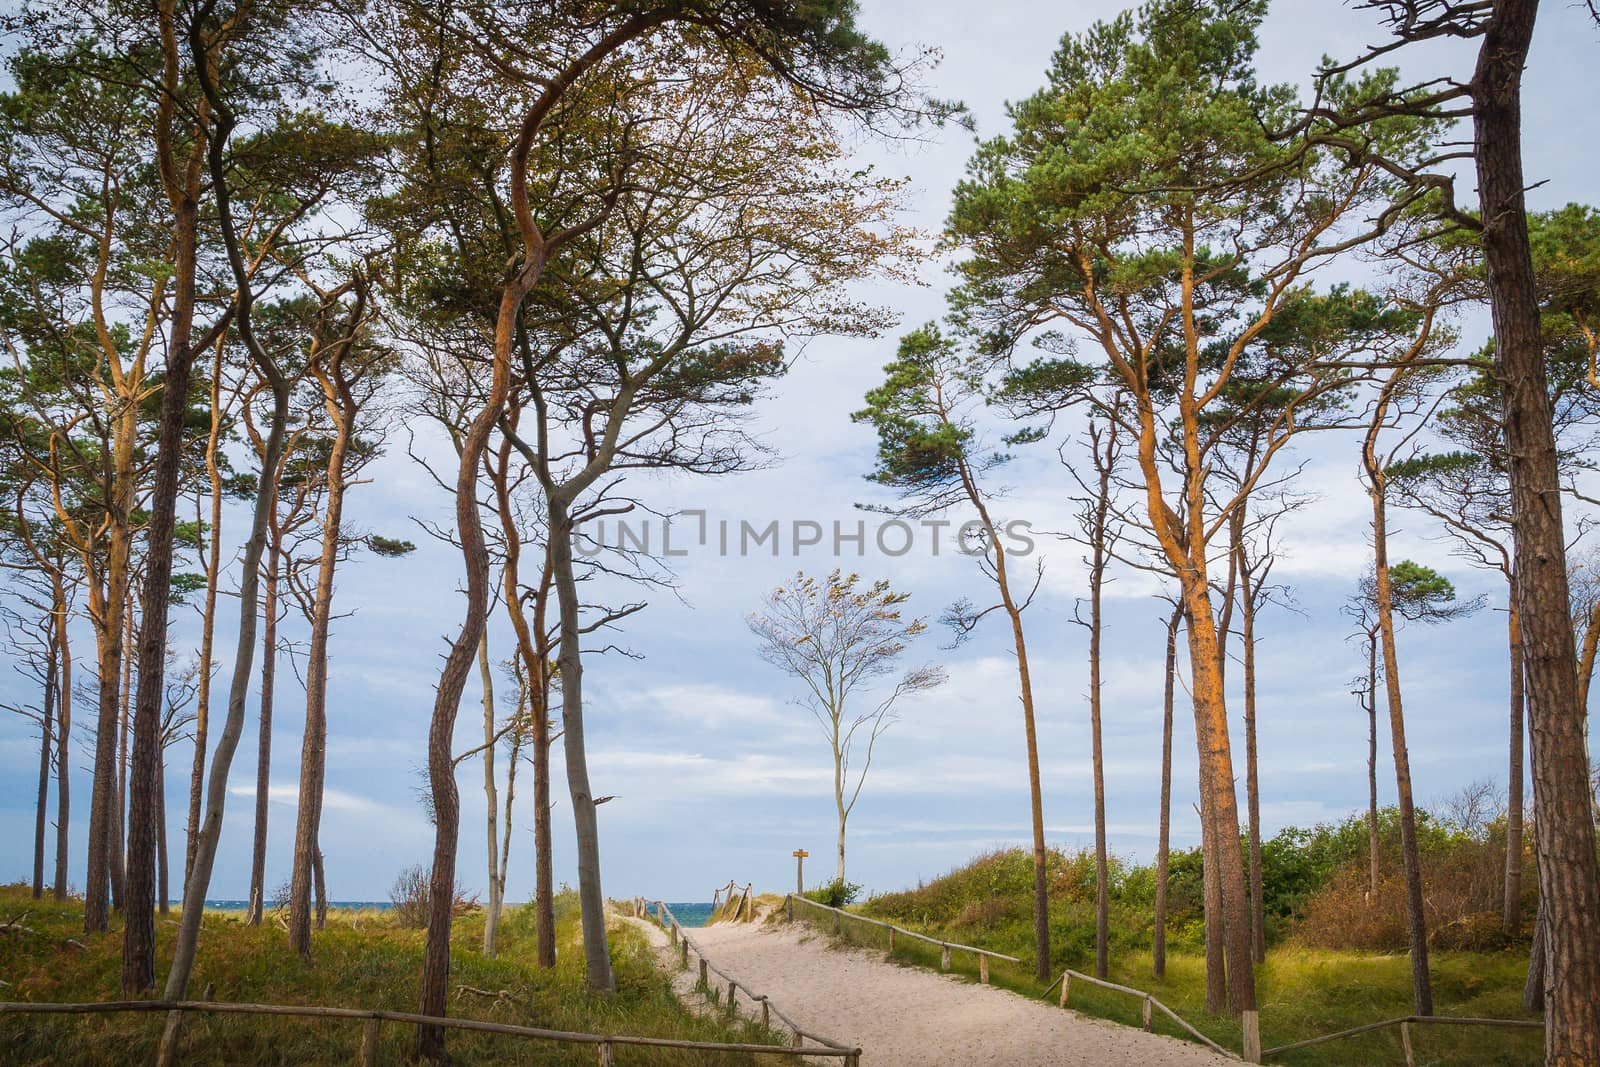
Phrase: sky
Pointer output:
(717, 774)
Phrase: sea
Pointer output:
(689, 913)
(347, 905)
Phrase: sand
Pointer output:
(904, 1016)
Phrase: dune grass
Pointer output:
(362, 960)
(1301, 993)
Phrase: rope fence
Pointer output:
(679, 940)
(945, 947)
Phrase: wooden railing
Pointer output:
(851, 1055)
(1151, 1004)
(839, 915)
(372, 1020)
(1405, 1023)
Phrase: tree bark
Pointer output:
(183, 192)
(162, 900)
(199, 879)
(1411, 859)
(1097, 573)
(1372, 769)
(208, 617)
(107, 616)
(1247, 638)
(1512, 917)
(597, 956)
(491, 800)
(63, 736)
(1163, 839)
(46, 725)
(533, 648)
(269, 673)
(1564, 828)
(328, 365)
(119, 816)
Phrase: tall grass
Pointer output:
(1303, 991)
(361, 961)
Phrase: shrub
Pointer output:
(410, 898)
(836, 894)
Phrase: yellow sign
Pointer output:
(802, 853)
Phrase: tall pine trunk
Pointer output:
(1410, 855)
(1372, 769)
(1164, 835)
(1512, 912)
(208, 617)
(491, 919)
(63, 736)
(46, 727)
(269, 673)
(1564, 826)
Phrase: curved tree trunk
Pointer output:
(314, 742)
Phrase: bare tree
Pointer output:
(837, 636)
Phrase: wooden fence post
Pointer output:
(1147, 1013)
(837, 920)
(167, 1053)
(891, 939)
(983, 969)
(1252, 1037)
(1405, 1043)
(766, 1014)
(733, 1003)
(798, 1040)
(369, 1042)
(703, 981)
(607, 1057)
(944, 958)
(853, 1060)
(1066, 988)
(683, 946)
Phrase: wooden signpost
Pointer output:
(800, 855)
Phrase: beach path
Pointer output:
(903, 1016)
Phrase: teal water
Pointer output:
(356, 905)
(690, 914)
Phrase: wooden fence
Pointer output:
(851, 1055)
(371, 1020)
(1405, 1023)
(945, 947)
(1151, 1004)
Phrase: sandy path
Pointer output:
(904, 1016)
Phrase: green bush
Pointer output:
(836, 894)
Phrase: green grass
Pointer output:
(1301, 992)
(361, 960)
